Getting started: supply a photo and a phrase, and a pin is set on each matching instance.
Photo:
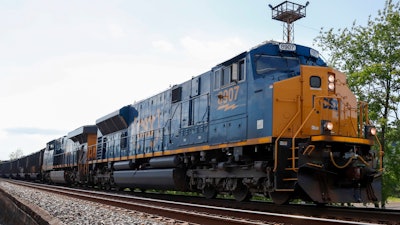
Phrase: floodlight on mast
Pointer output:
(288, 12)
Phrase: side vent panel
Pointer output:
(176, 94)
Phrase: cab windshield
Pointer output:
(266, 64)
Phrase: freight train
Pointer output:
(273, 121)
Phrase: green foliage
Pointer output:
(392, 164)
(370, 55)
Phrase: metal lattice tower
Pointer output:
(288, 12)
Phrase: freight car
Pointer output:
(274, 120)
(27, 167)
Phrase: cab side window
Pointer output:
(241, 71)
(217, 79)
(228, 75)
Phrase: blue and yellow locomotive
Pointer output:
(274, 120)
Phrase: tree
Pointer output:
(370, 56)
(16, 154)
(392, 164)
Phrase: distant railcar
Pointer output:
(27, 167)
(30, 167)
(5, 169)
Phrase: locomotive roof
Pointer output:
(80, 134)
(117, 120)
(275, 48)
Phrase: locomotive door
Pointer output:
(82, 166)
(228, 111)
(189, 113)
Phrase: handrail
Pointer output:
(354, 126)
(302, 125)
(381, 153)
(294, 139)
(366, 113)
(363, 111)
(360, 118)
(309, 150)
(283, 131)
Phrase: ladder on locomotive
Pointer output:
(287, 166)
(286, 156)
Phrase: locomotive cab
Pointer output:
(323, 138)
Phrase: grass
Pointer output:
(394, 199)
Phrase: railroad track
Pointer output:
(350, 213)
(223, 213)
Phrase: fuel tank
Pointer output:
(58, 177)
(163, 179)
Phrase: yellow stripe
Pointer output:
(342, 139)
(254, 141)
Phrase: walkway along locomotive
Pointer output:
(274, 120)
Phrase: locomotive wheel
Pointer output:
(107, 187)
(209, 192)
(241, 193)
(280, 197)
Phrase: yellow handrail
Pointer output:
(360, 118)
(283, 131)
(363, 111)
(294, 139)
(302, 125)
(381, 153)
(354, 126)
(309, 150)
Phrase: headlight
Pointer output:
(373, 131)
(331, 78)
(331, 86)
(331, 82)
(370, 131)
(327, 127)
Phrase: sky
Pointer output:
(67, 63)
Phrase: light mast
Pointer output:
(288, 12)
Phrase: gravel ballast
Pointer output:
(74, 211)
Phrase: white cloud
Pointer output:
(64, 65)
(163, 45)
(214, 51)
(3, 135)
(60, 70)
(116, 30)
